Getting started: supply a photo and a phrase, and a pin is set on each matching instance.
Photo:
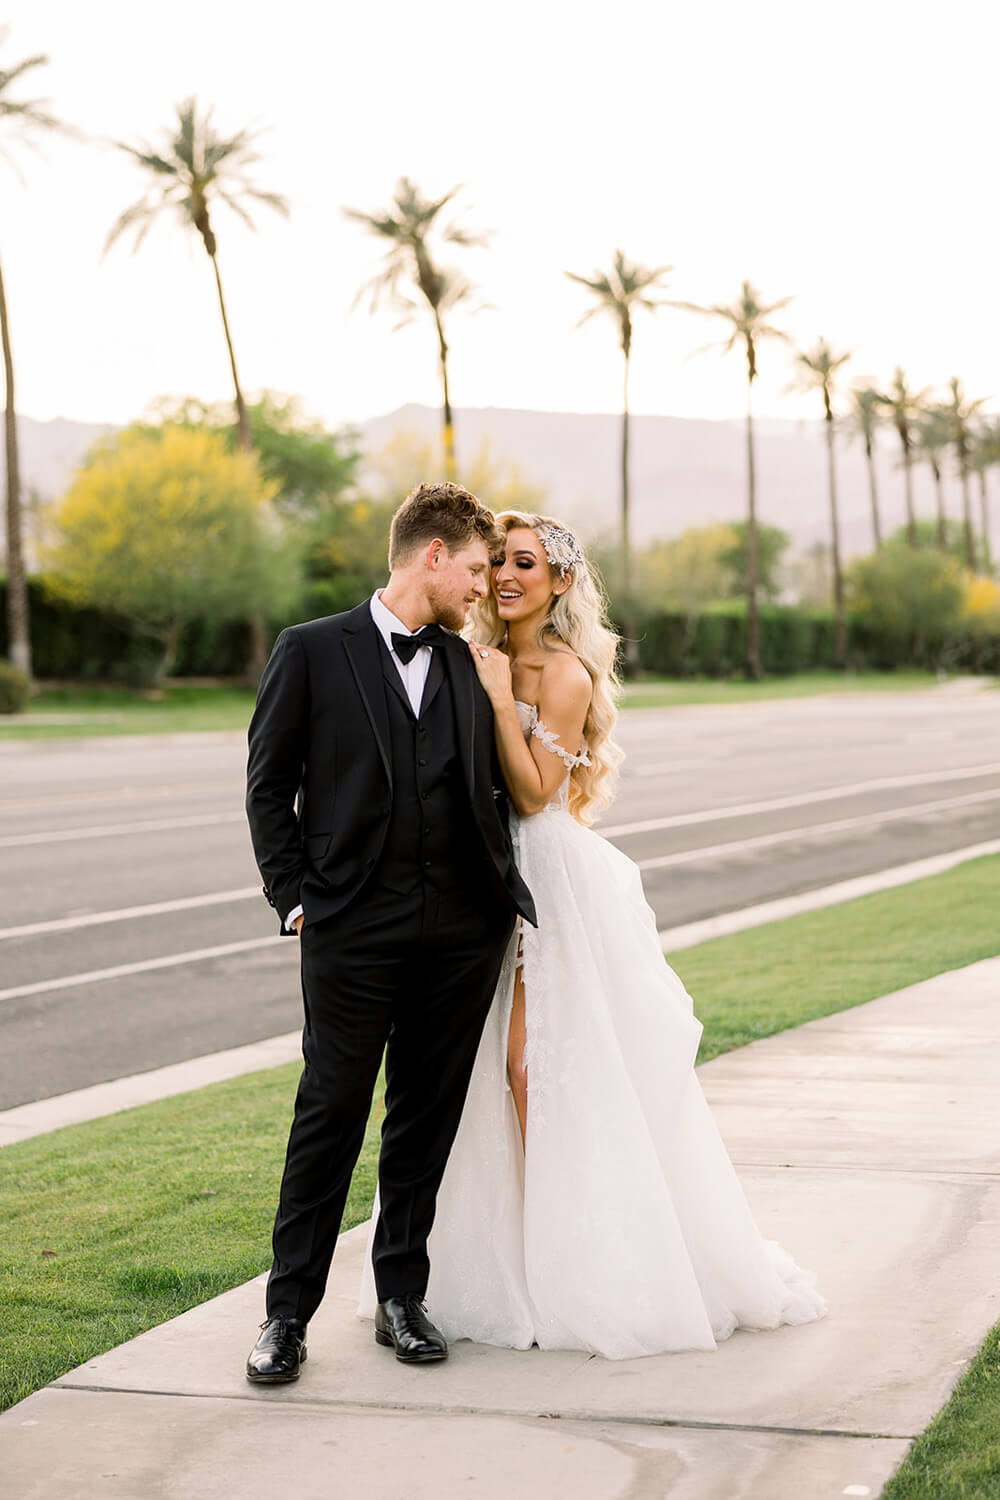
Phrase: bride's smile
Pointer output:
(522, 583)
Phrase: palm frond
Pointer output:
(199, 163)
(17, 70)
(136, 214)
(277, 201)
(237, 207)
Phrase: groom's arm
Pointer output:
(277, 742)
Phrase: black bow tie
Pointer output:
(407, 646)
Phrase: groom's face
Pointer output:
(456, 581)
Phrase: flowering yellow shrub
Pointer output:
(981, 604)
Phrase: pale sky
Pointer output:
(842, 154)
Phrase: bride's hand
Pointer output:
(493, 668)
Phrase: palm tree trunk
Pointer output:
(629, 633)
(911, 514)
(448, 416)
(984, 511)
(873, 492)
(18, 621)
(257, 658)
(942, 518)
(754, 669)
(970, 544)
(242, 424)
(839, 615)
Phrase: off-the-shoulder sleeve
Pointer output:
(551, 742)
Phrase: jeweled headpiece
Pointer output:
(561, 548)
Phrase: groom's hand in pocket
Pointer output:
(298, 924)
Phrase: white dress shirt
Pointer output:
(413, 673)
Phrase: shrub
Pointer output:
(14, 689)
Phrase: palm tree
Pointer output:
(865, 406)
(619, 292)
(932, 436)
(958, 412)
(815, 371)
(747, 317)
(984, 452)
(27, 117)
(408, 227)
(196, 167)
(905, 407)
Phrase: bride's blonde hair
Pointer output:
(577, 618)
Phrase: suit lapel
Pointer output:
(361, 647)
(463, 687)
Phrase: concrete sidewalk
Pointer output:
(867, 1143)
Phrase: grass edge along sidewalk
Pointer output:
(185, 707)
(114, 1226)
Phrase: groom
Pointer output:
(379, 823)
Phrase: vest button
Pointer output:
(421, 763)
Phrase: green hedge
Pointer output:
(91, 645)
(714, 644)
(82, 644)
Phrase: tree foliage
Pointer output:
(312, 469)
(772, 544)
(689, 571)
(390, 472)
(165, 527)
(909, 598)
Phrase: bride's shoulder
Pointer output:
(564, 674)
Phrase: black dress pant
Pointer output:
(414, 976)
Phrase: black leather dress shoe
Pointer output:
(401, 1323)
(279, 1353)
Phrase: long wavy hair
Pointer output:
(578, 619)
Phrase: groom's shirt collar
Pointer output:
(387, 622)
(413, 673)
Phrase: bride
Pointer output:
(588, 1202)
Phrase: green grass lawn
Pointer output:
(180, 707)
(111, 1227)
(673, 693)
(755, 983)
(958, 1457)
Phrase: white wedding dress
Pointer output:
(621, 1228)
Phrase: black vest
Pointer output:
(431, 836)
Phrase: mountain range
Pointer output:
(685, 471)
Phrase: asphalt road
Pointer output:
(722, 807)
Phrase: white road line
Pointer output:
(145, 966)
(112, 830)
(43, 1115)
(800, 799)
(126, 793)
(128, 913)
(811, 830)
(620, 830)
(689, 934)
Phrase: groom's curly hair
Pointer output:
(442, 510)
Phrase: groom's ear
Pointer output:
(435, 553)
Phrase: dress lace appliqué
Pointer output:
(551, 742)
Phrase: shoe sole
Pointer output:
(387, 1342)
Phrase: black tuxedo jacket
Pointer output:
(319, 776)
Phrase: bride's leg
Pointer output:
(516, 1073)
